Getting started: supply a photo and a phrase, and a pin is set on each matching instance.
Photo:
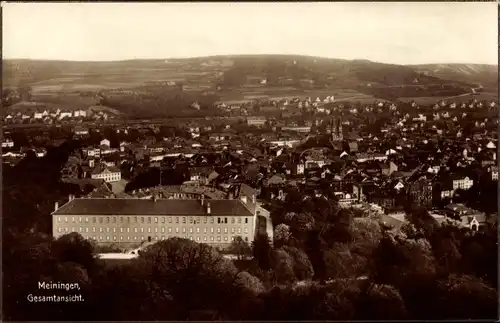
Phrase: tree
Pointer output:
(240, 248)
(261, 247)
(281, 234)
(302, 266)
(466, 297)
(381, 302)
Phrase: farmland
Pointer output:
(158, 88)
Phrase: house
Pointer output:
(133, 221)
(305, 129)
(105, 142)
(420, 192)
(7, 143)
(461, 182)
(81, 131)
(256, 121)
(494, 173)
(109, 174)
(38, 115)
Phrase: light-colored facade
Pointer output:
(462, 183)
(108, 174)
(129, 222)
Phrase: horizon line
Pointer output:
(236, 55)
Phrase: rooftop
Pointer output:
(110, 206)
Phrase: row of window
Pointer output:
(143, 219)
(140, 238)
(149, 230)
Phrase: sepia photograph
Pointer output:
(246, 161)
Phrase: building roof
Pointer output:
(144, 207)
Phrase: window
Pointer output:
(191, 220)
(128, 219)
(93, 229)
(197, 220)
(212, 220)
(142, 230)
(121, 238)
(211, 230)
(59, 229)
(239, 230)
(169, 219)
(59, 219)
(128, 229)
(239, 220)
(218, 230)
(204, 238)
(219, 238)
(162, 230)
(80, 219)
(142, 219)
(218, 220)
(156, 219)
(114, 238)
(232, 220)
(100, 229)
(225, 220)
(197, 238)
(100, 220)
(246, 220)
(211, 238)
(114, 219)
(169, 230)
(149, 219)
(176, 230)
(176, 219)
(73, 219)
(225, 230)
(190, 230)
(121, 219)
(183, 230)
(135, 230)
(183, 219)
(205, 220)
(135, 219)
(107, 237)
(86, 230)
(107, 219)
(114, 229)
(121, 229)
(225, 238)
(232, 230)
(246, 230)
(128, 237)
(205, 230)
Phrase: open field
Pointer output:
(488, 96)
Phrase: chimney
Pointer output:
(71, 197)
(56, 206)
(244, 199)
(209, 211)
(202, 199)
(253, 198)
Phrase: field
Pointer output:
(75, 85)
(488, 96)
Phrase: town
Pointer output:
(250, 161)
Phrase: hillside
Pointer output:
(481, 74)
(168, 87)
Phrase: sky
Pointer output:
(388, 32)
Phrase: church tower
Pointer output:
(336, 129)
